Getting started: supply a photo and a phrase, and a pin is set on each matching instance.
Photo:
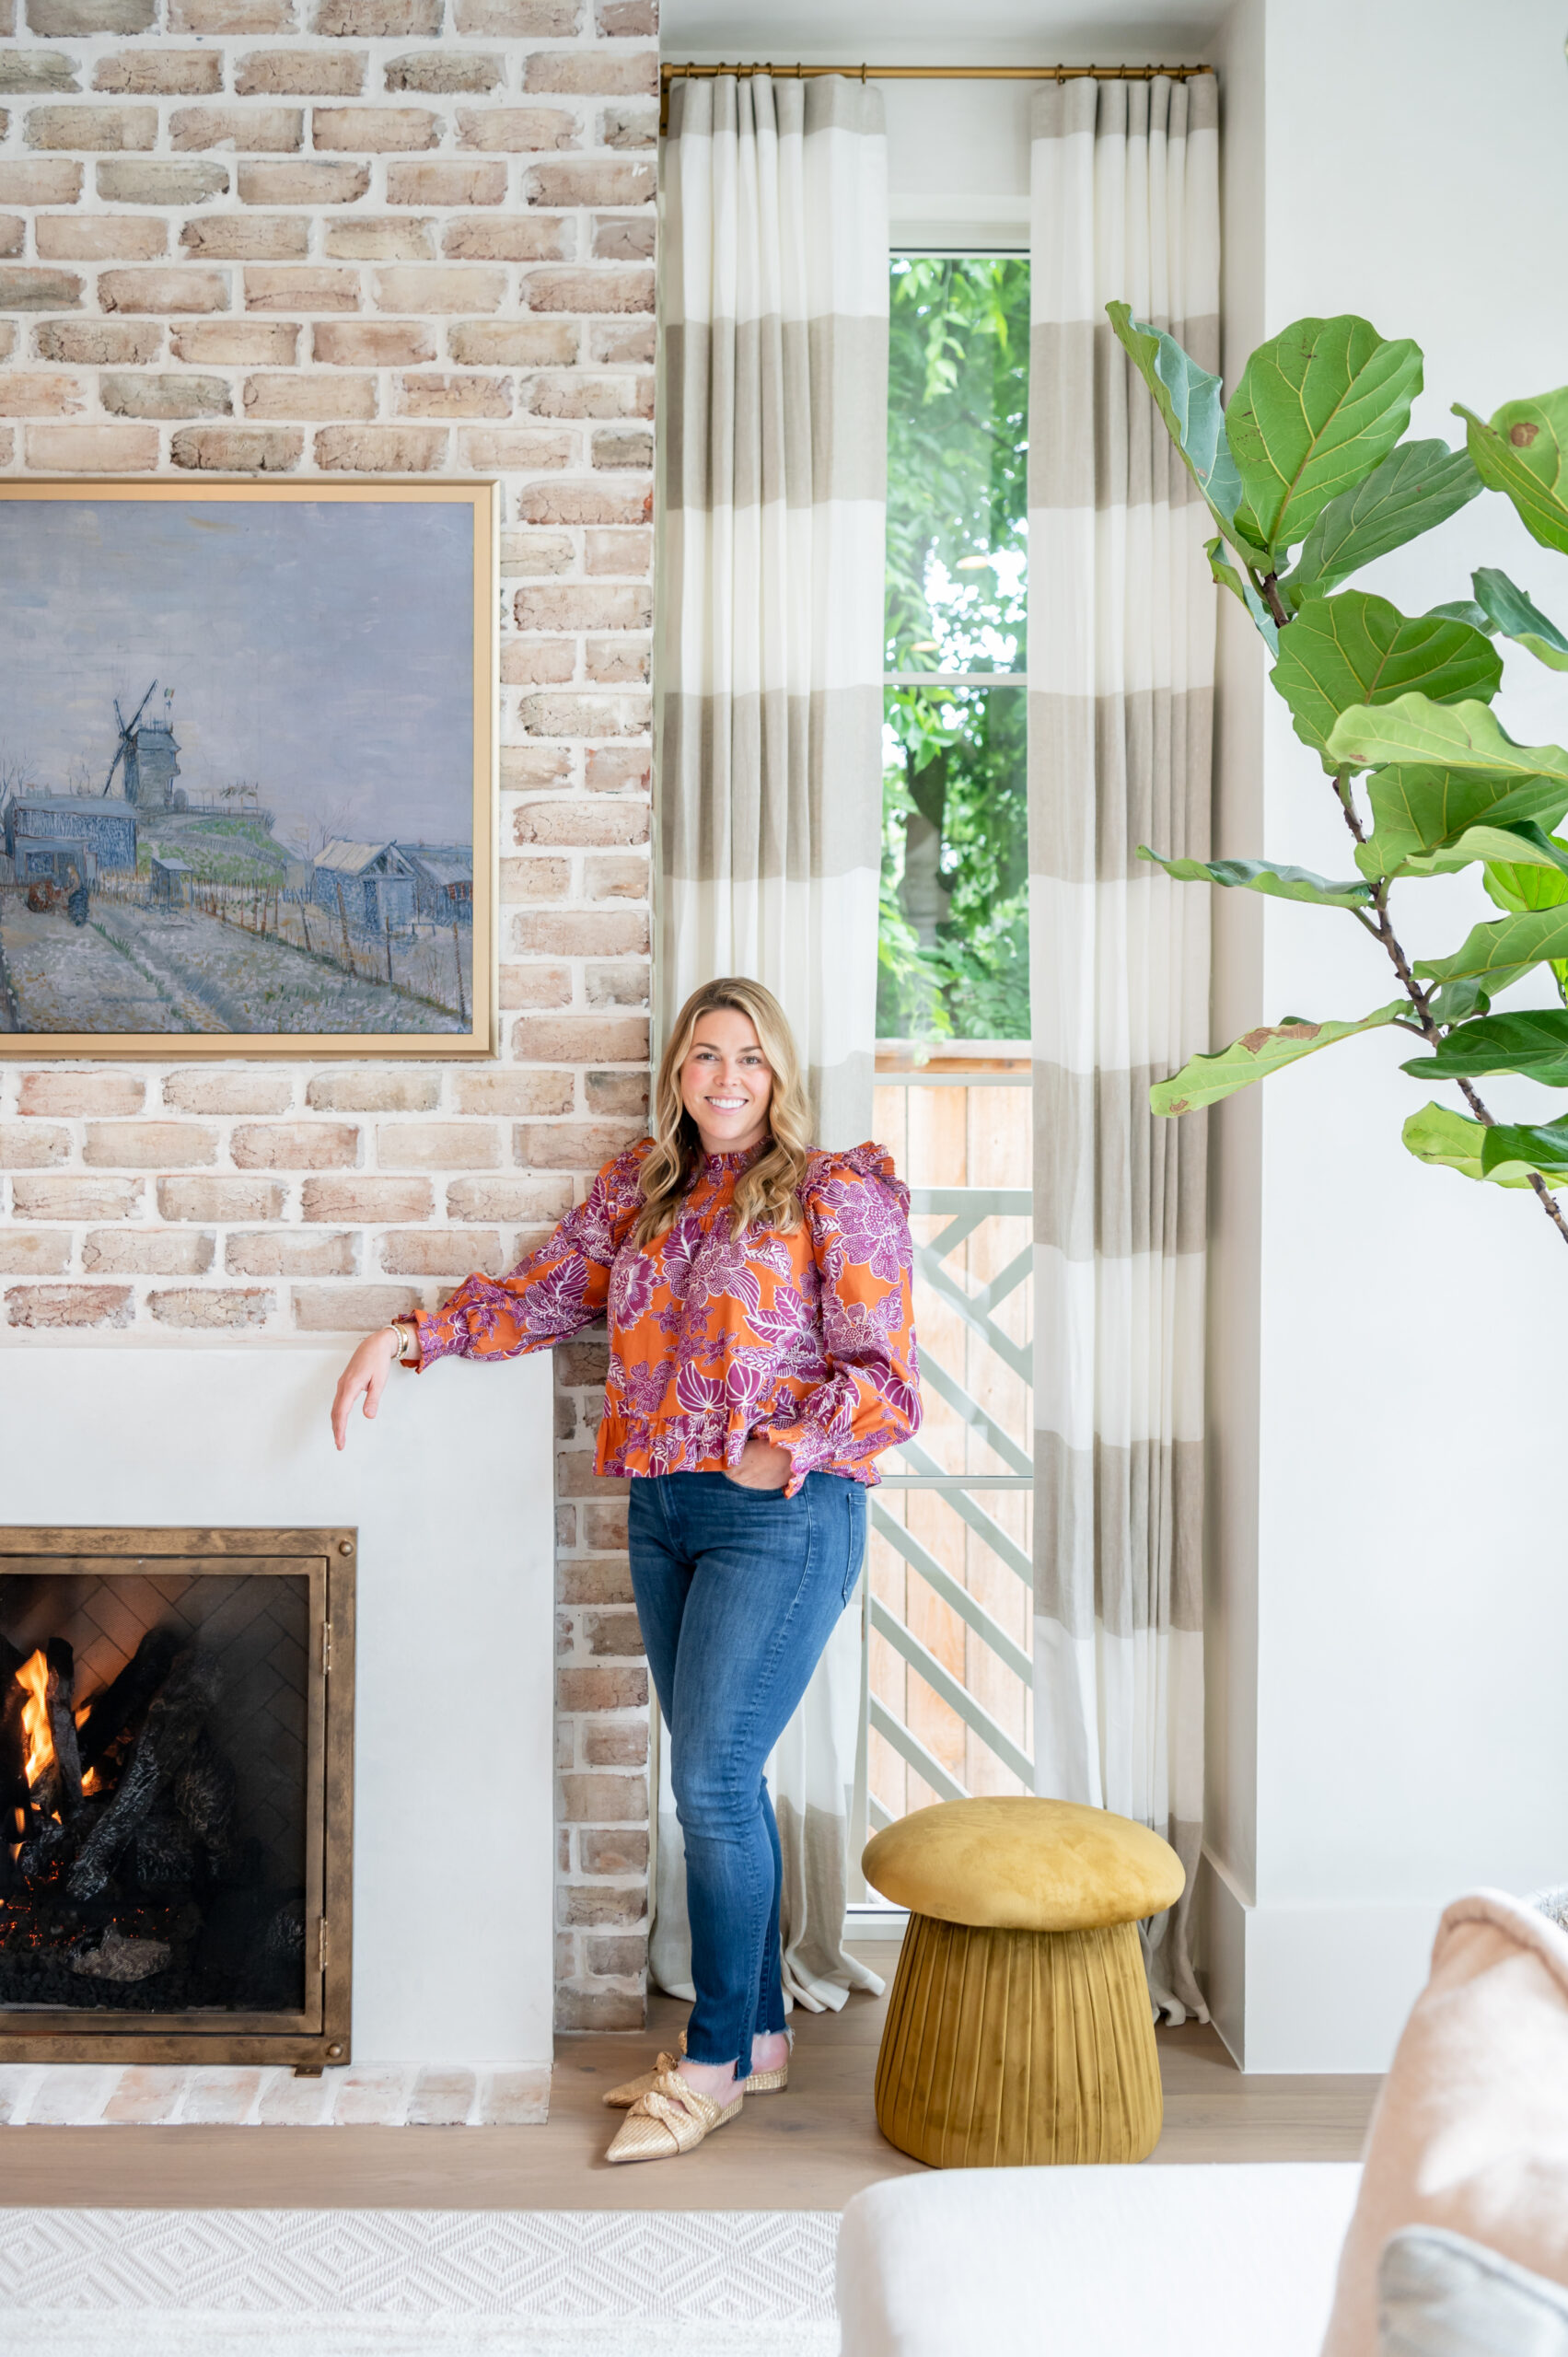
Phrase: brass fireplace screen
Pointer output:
(175, 1795)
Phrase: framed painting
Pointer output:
(247, 768)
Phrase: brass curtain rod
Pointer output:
(947, 73)
(675, 73)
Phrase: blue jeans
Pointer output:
(738, 1592)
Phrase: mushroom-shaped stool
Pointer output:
(1020, 2029)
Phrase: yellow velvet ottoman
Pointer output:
(1018, 2030)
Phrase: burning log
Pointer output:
(13, 1759)
(59, 1692)
(175, 1720)
(127, 1696)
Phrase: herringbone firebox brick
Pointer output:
(374, 237)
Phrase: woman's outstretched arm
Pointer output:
(547, 1299)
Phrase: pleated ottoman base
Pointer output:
(1004, 2050)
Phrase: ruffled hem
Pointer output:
(703, 1443)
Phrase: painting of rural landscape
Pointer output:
(238, 748)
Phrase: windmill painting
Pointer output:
(245, 752)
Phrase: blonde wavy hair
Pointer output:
(768, 1194)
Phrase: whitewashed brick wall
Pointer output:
(374, 237)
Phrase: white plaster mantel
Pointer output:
(452, 1490)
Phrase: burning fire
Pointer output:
(34, 1676)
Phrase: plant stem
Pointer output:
(1273, 599)
(1378, 924)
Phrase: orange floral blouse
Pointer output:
(804, 1341)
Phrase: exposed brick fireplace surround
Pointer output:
(380, 237)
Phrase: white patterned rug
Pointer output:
(418, 2283)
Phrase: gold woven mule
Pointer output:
(623, 2098)
(671, 2119)
(761, 2083)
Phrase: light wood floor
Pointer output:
(810, 2148)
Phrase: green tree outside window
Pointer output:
(954, 941)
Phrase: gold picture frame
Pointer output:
(328, 680)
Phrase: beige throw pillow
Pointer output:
(1471, 2130)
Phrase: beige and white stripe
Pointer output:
(1125, 206)
(774, 359)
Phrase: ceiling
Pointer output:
(921, 32)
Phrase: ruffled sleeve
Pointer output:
(554, 1293)
(858, 1216)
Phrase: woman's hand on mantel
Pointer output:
(761, 1466)
(365, 1372)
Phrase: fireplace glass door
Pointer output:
(173, 1757)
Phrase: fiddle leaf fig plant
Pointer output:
(1308, 476)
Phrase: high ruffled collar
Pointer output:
(721, 1166)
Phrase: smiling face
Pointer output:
(725, 1082)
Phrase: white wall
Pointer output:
(450, 1489)
(1398, 1637)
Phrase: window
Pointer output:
(954, 936)
(948, 1598)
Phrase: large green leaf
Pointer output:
(1189, 399)
(1517, 887)
(1507, 609)
(1315, 410)
(1533, 1042)
(1264, 875)
(1510, 1146)
(1205, 1079)
(1463, 609)
(1431, 822)
(1419, 484)
(1438, 1135)
(1498, 954)
(1520, 451)
(1231, 577)
(1443, 736)
(1356, 649)
(1524, 846)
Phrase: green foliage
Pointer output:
(1264, 875)
(1465, 736)
(1395, 706)
(1190, 401)
(1508, 610)
(1518, 451)
(1418, 486)
(958, 430)
(1504, 1153)
(1355, 650)
(1205, 1079)
(1516, 887)
(1502, 952)
(1240, 585)
(958, 752)
(1315, 410)
(958, 451)
(1451, 1141)
(1534, 1042)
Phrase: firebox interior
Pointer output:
(167, 1828)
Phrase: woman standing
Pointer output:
(761, 1356)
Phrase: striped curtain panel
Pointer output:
(773, 441)
(1125, 204)
(773, 434)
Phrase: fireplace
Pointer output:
(175, 1795)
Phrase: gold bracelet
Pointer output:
(402, 1336)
